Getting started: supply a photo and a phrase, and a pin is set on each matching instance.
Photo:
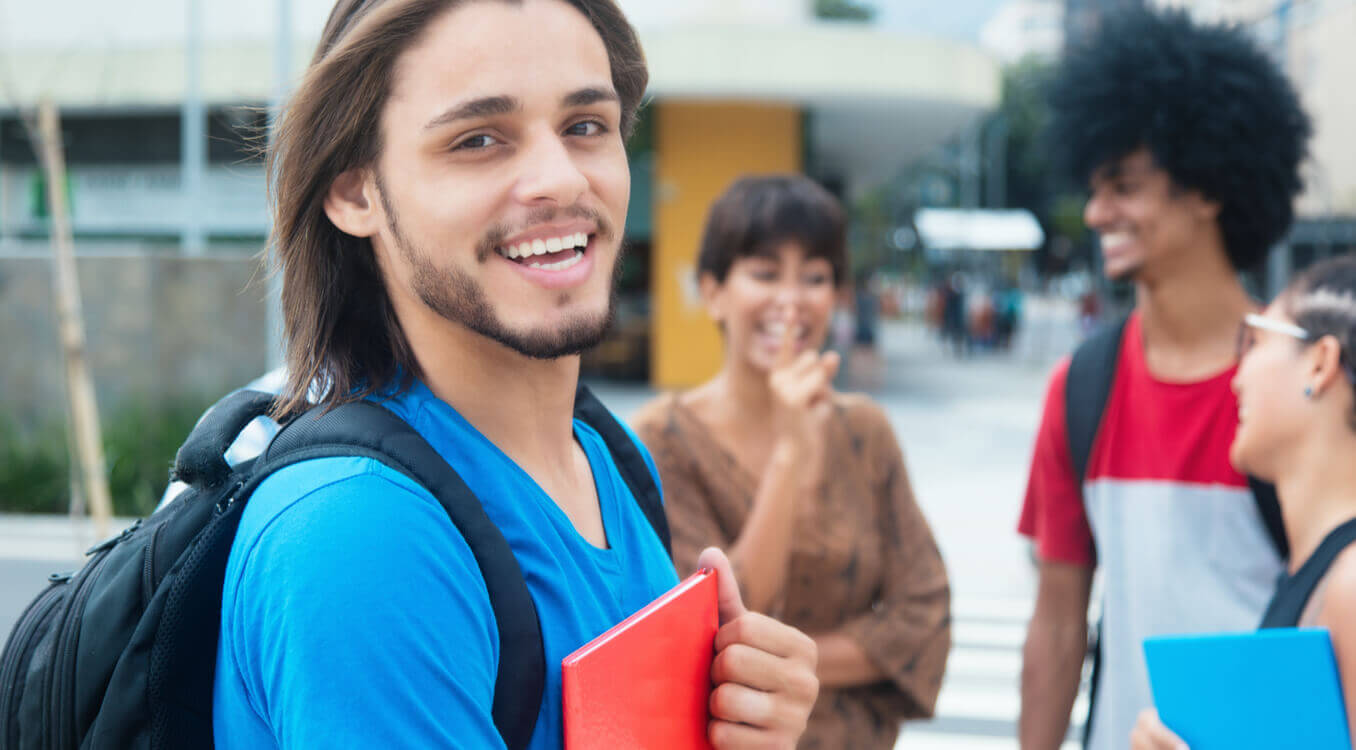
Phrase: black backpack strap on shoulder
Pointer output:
(201, 459)
(1086, 390)
(1269, 508)
(630, 463)
(364, 428)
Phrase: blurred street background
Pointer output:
(973, 272)
(966, 428)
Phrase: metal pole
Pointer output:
(193, 134)
(282, 72)
(969, 164)
(997, 148)
(4, 191)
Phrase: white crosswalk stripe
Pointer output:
(978, 705)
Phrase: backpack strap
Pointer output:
(1086, 390)
(201, 459)
(367, 429)
(1269, 508)
(630, 462)
(1087, 386)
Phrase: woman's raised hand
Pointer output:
(801, 387)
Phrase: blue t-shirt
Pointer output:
(354, 615)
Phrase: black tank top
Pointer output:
(1293, 593)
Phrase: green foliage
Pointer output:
(1066, 217)
(844, 10)
(140, 440)
(1033, 182)
(34, 473)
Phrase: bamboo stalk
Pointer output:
(84, 409)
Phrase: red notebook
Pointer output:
(646, 683)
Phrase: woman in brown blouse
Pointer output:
(804, 487)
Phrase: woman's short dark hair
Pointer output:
(1322, 301)
(1210, 106)
(758, 213)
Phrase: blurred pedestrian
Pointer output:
(955, 328)
(1190, 140)
(806, 487)
(1297, 429)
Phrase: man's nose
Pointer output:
(550, 173)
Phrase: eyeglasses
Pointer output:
(1253, 322)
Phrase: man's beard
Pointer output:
(457, 297)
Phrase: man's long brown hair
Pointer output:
(343, 339)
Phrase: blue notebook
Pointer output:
(1263, 690)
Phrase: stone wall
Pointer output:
(157, 324)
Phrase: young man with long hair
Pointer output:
(1190, 140)
(449, 189)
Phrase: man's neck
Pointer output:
(525, 406)
(1189, 318)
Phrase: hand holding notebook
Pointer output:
(764, 701)
(1276, 688)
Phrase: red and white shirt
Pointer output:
(1172, 527)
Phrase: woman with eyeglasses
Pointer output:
(1297, 429)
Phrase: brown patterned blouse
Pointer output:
(863, 560)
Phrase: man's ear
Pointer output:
(351, 203)
(1206, 209)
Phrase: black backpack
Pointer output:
(1092, 372)
(122, 654)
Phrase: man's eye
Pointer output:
(586, 128)
(475, 142)
(763, 274)
(815, 279)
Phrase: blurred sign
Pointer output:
(958, 229)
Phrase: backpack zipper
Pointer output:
(30, 621)
(62, 692)
(148, 569)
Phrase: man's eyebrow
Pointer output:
(487, 106)
(591, 95)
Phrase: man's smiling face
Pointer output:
(503, 177)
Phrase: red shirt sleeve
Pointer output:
(1052, 512)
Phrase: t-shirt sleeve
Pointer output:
(1052, 511)
(359, 618)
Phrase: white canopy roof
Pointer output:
(962, 229)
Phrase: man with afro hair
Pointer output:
(1190, 141)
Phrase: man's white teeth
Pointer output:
(530, 248)
(559, 265)
(1114, 239)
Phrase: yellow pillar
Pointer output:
(700, 148)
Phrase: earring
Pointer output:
(1308, 391)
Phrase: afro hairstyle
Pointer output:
(1210, 106)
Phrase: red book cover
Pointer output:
(646, 683)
